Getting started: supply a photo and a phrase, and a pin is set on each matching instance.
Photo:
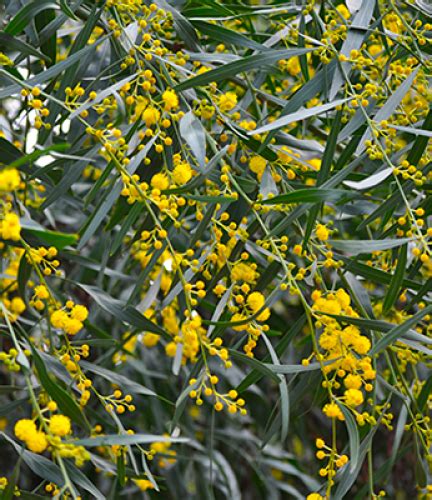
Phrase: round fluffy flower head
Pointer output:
(10, 227)
(60, 425)
(59, 319)
(182, 173)
(332, 410)
(343, 298)
(170, 100)
(160, 181)
(330, 306)
(79, 312)
(9, 179)
(352, 381)
(255, 301)
(353, 397)
(322, 232)
(257, 164)
(41, 292)
(151, 116)
(24, 428)
(72, 326)
(37, 442)
(227, 101)
(243, 272)
(314, 496)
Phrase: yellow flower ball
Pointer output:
(60, 425)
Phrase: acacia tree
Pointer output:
(215, 249)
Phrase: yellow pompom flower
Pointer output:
(255, 301)
(9, 179)
(59, 318)
(151, 116)
(37, 442)
(353, 397)
(10, 227)
(332, 410)
(257, 164)
(60, 425)
(79, 312)
(322, 232)
(182, 173)
(170, 100)
(352, 381)
(72, 326)
(227, 101)
(243, 272)
(160, 181)
(41, 292)
(24, 428)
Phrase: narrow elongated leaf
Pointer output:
(312, 195)
(355, 247)
(396, 282)
(127, 440)
(299, 115)
(232, 69)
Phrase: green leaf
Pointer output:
(290, 369)
(354, 438)
(51, 72)
(50, 238)
(121, 311)
(311, 195)
(355, 247)
(49, 46)
(264, 369)
(9, 152)
(24, 16)
(397, 332)
(283, 391)
(397, 279)
(226, 35)
(297, 116)
(233, 69)
(424, 394)
(40, 465)
(80, 479)
(353, 41)
(10, 43)
(192, 131)
(370, 181)
(126, 440)
(389, 107)
(117, 379)
(65, 402)
(255, 375)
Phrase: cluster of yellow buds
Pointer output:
(36, 103)
(206, 386)
(345, 352)
(10, 227)
(119, 402)
(10, 359)
(44, 259)
(334, 459)
(69, 319)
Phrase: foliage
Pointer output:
(215, 249)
